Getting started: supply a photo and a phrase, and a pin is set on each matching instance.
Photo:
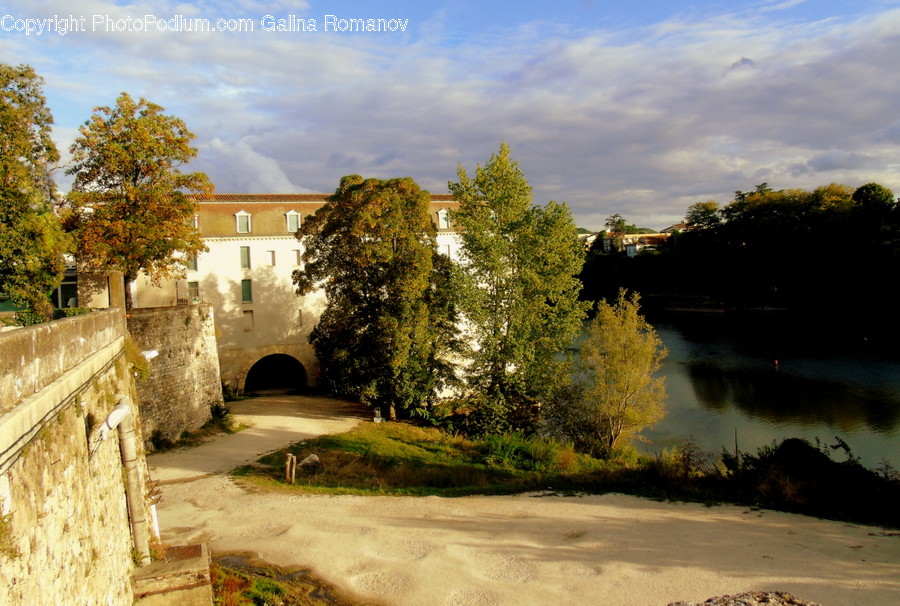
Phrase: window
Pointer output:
(298, 258)
(248, 321)
(293, 220)
(193, 291)
(196, 222)
(246, 291)
(243, 222)
(245, 257)
(443, 219)
(192, 262)
(66, 294)
(271, 257)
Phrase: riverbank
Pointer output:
(523, 549)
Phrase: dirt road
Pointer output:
(522, 550)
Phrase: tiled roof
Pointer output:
(216, 212)
(261, 197)
(250, 198)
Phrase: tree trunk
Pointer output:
(129, 303)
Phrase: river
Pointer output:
(723, 383)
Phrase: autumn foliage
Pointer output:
(130, 208)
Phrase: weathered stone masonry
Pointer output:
(65, 516)
(184, 382)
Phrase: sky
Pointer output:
(639, 108)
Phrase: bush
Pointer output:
(27, 317)
(797, 476)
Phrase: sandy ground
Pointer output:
(525, 549)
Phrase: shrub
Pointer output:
(27, 317)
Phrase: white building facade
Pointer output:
(262, 325)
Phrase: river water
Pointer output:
(723, 383)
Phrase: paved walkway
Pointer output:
(274, 421)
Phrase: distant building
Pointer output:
(634, 244)
(261, 324)
(587, 240)
(673, 228)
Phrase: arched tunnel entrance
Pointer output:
(277, 371)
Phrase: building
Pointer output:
(634, 244)
(261, 324)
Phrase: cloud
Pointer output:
(248, 170)
(642, 121)
(743, 63)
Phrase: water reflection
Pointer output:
(780, 397)
(723, 382)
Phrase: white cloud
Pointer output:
(240, 167)
(680, 111)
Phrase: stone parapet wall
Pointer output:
(184, 382)
(65, 536)
(35, 356)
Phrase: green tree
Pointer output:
(703, 215)
(616, 394)
(131, 211)
(519, 292)
(388, 323)
(873, 195)
(32, 241)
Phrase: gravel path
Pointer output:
(521, 550)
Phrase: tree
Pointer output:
(616, 394)
(873, 195)
(32, 241)
(703, 215)
(519, 292)
(616, 228)
(131, 211)
(388, 323)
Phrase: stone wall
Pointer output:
(35, 356)
(65, 536)
(184, 382)
(236, 363)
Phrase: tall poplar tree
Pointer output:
(520, 295)
(388, 323)
(131, 211)
(32, 241)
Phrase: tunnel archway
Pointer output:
(276, 371)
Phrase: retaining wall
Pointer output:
(184, 382)
(65, 536)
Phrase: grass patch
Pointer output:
(242, 580)
(404, 459)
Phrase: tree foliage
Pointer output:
(825, 255)
(32, 241)
(616, 394)
(873, 195)
(131, 211)
(520, 292)
(389, 322)
(703, 215)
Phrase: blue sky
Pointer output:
(639, 108)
